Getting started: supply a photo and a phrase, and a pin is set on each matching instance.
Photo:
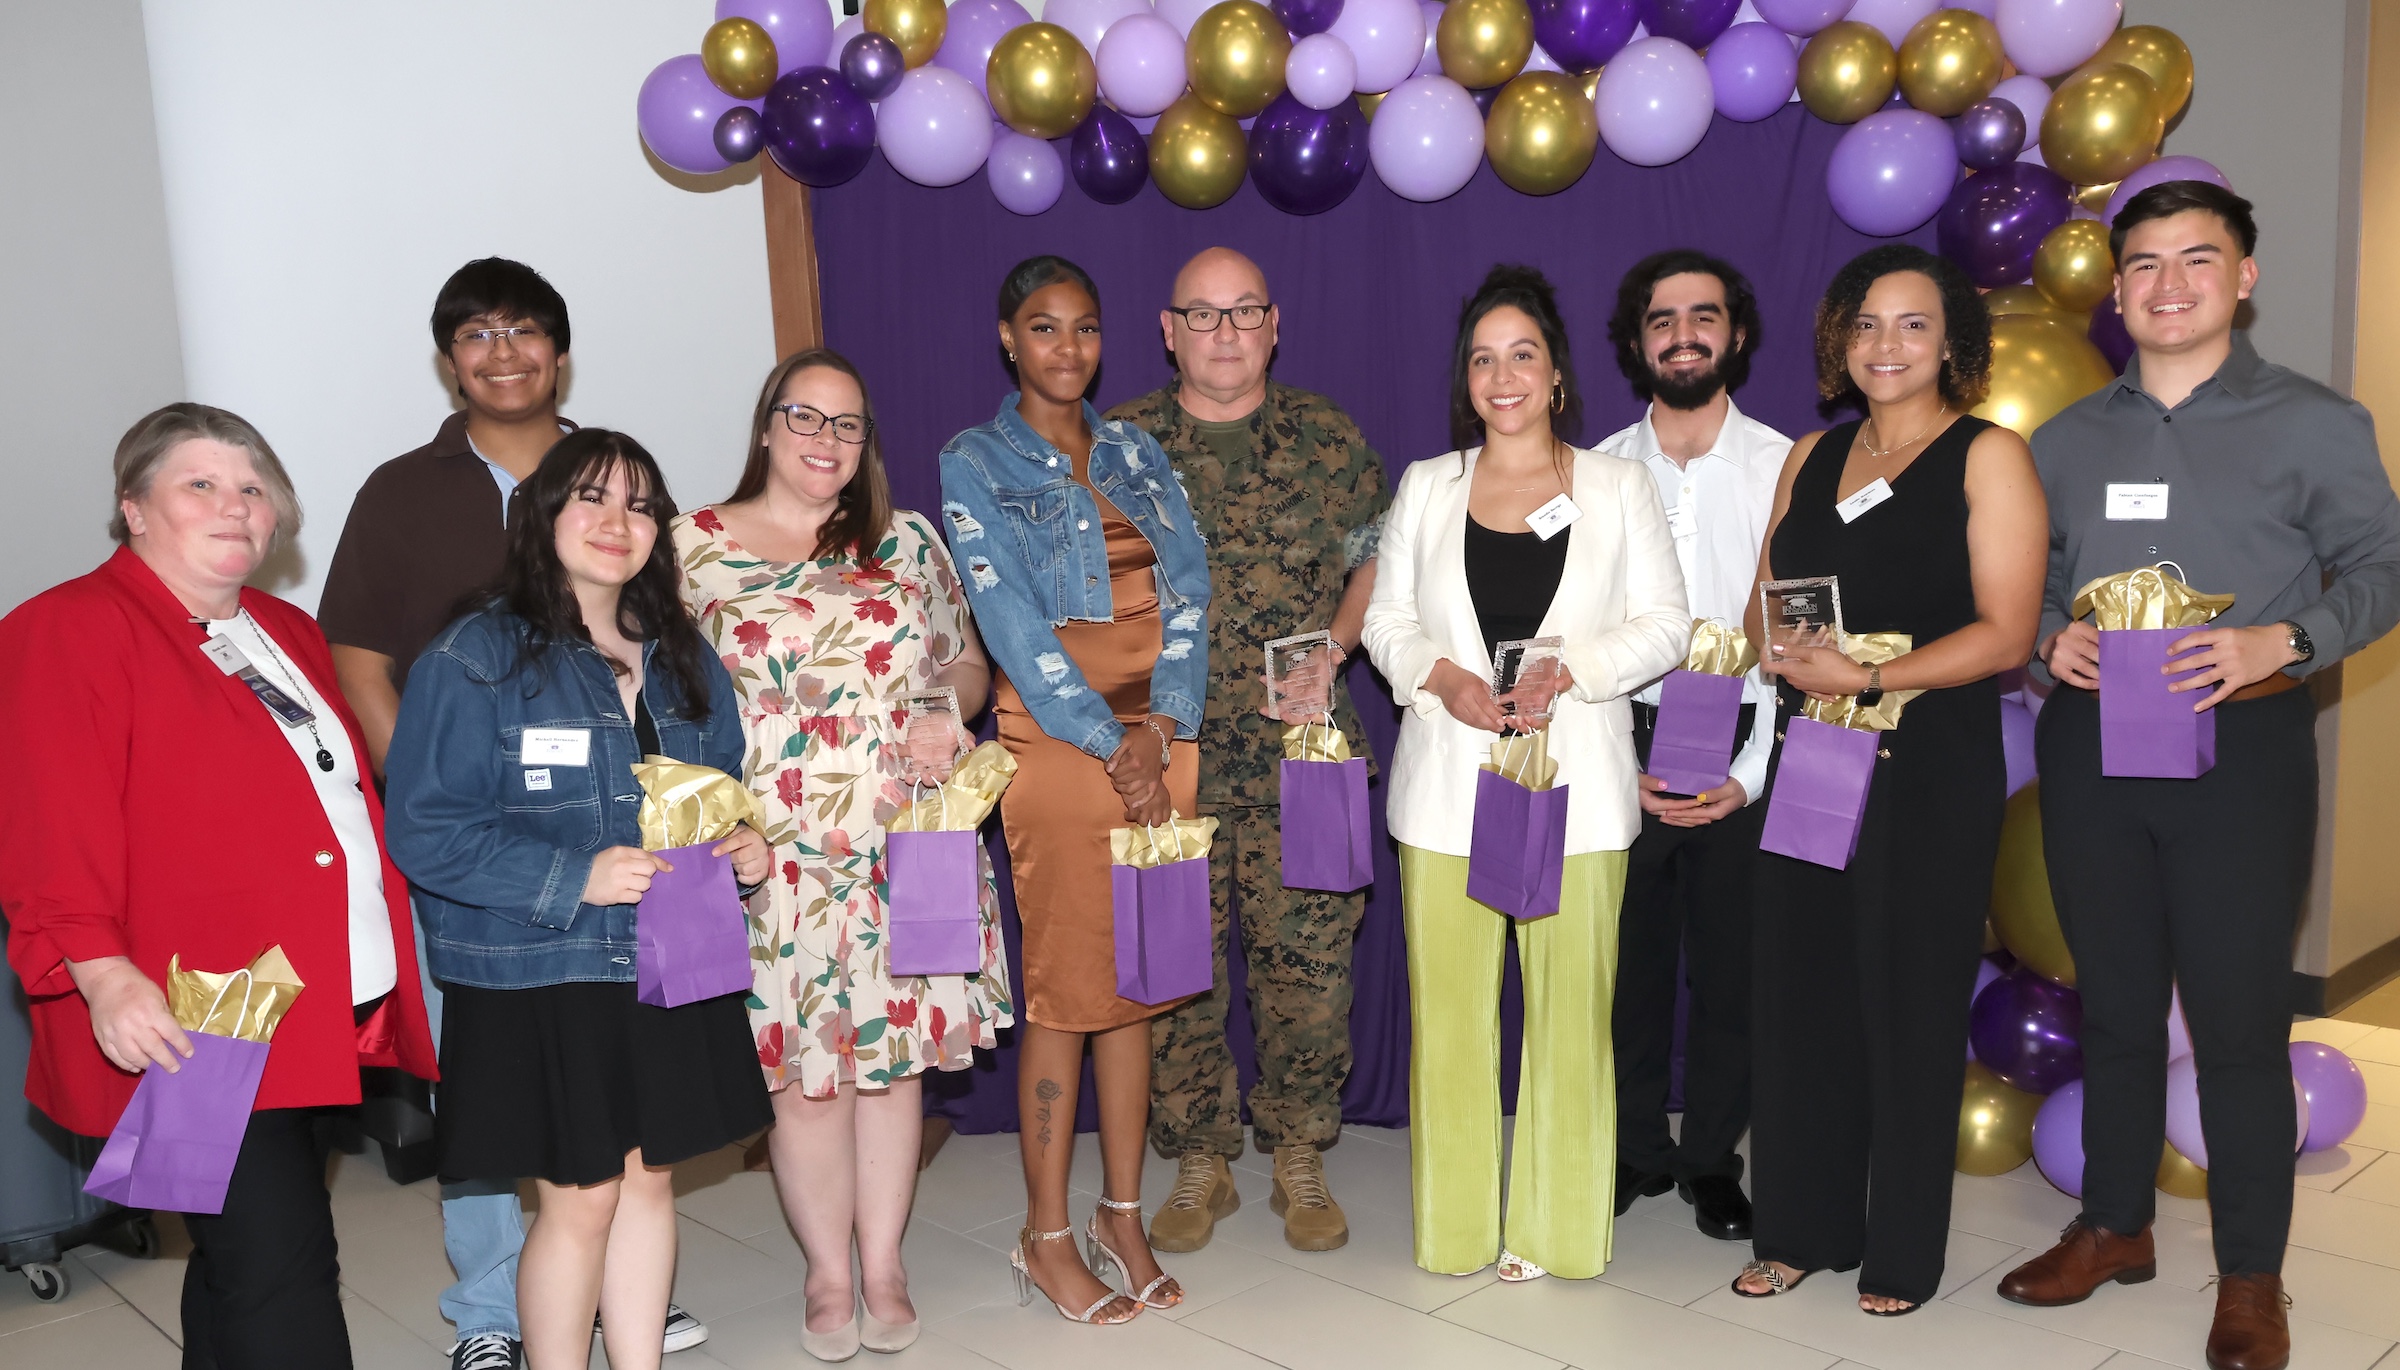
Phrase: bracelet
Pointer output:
(1165, 757)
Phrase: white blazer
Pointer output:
(1619, 607)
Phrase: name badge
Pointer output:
(1877, 491)
(537, 780)
(228, 658)
(1547, 520)
(1681, 522)
(559, 746)
(2128, 501)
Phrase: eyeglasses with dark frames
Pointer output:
(807, 421)
(1201, 318)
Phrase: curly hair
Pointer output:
(1527, 290)
(1625, 326)
(1966, 327)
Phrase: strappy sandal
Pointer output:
(1026, 1288)
(1515, 1269)
(1151, 1295)
(1901, 1312)
(1777, 1283)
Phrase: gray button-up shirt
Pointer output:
(2275, 494)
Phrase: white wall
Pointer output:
(326, 166)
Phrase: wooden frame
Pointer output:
(791, 262)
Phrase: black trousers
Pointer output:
(262, 1288)
(1687, 898)
(2196, 883)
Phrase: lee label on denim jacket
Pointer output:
(556, 747)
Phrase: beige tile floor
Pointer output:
(1255, 1303)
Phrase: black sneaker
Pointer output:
(488, 1351)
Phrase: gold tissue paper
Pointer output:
(1867, 649)
(1315, 742)
(963, 801)
(2147, 598)
(244, 1004)
(1719, 650)
(1524, 758)
(684, 805)
(1177, 839)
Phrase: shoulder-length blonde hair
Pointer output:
(858, 522)
(155, 434)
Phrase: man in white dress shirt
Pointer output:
(1684, 329)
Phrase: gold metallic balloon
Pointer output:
(2021, 909)
(1041, 80)
(739, 57)
(1995, 1124)
(2095, 198)
(1847, 71)
(2072, 266)
(2157, 54)
(2178, 1176)
(2039, 366)
(1235, 56)
(2101, 123)
(1950, 60)
(1541, 133)
(1197, 154)
(2024, 299)
(1484, 43)
(915, 25)
(1590, 81)
(1367, 102)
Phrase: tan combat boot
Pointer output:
(1312, 1221)
(1203, 1193)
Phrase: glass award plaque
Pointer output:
(929, 740)
(1300, 677)
(1525, 679)
(1801, 613)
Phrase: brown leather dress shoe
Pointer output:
(2085, 1258)
(2250, 1332)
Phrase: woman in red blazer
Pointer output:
(157, 808)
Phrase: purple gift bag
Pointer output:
(691, 941)
(933, 919)
(1517, 856)
(174, 1146)
(1163, 933)
(1326, 845)
(1691, 747)
(1820, 792)
(2145, 732)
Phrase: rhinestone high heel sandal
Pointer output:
(1026, 1288)
(1094, 1249)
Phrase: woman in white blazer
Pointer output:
(1473, 554)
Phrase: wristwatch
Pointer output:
(2302, 648)
(1871, 696)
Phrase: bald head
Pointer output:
(1220, 276)
(1221, 370)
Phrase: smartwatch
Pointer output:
(1871, 696)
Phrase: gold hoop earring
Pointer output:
(1558, 399)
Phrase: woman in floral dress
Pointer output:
(828, 607)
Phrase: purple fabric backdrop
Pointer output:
(1370, 294)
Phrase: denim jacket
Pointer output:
(1028, 539)
(498, 845)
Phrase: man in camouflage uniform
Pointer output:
(1290, 498)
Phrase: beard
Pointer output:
(1690, 389)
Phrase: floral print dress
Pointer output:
(821, 653)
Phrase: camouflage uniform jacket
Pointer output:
(1277, 531)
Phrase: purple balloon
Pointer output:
(1426, 139)
(2108, 334)
(1090, 20)
(2053, 37)
(1306, 161)
(1985, 973)
(1753, 69)
(1108, 157)
(2031, 95)
(1385, 36)
(2184, 1130)
(1802, 17)
(1654, 102)
(817, 126)
(2016, 744)
(873, 63)
(1582, 35)
(934, 128)
(2058, 1138)
(677, 113)
(1429, 63)
(1304, 17)
(1693, 23)
(1891, 171)
(1141, 64)
(1893, 18)
(1184, 13)
(2336, 1094)
(2179, 1033)
(1986, 8)
(2158, 172)
(802, 29)
(1995, 219)
(1990, 134)
(1026, 173)
(1320, 73)
(738, 134)
(846, 30)
(973, 30)
(2024, 1029)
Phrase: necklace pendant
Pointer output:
(324, 760)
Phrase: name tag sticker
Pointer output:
(1876, 492)
(559, 746)
(537, 780)
(228, 658)
(1547, 520)
(1681, 522)
(2128, 501)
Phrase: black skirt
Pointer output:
(561, 1082)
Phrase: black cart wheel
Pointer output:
(141, 1238)
(49, 1281)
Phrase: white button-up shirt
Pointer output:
(1717, 508)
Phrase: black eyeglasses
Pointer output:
(807, 422)
(1203, 318)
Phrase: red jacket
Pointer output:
(151, 808)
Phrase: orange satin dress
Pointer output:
(1058, 810)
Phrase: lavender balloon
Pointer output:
(2108, 334)
(934, 128)
(2053, 37)
(738, 134)
(1995, 219)
(817, 126)
(1385, 37)
(1426, 139)
(1891, 171)
(802, 29)
(1802, 17)
(2336, 1093)
(2025, 1028)
(1141, 64)
(1320, 73)
(1893, 18)
(1752, 68)
(1655, 102)
(1693, 23)
(873, 63)
(2158, 172)
(2058, 1138)
(677, 113)
(1582, 35)
(2179, 1032)
(2184, 1130)
(1990, 134)
(1306, 161)
(1430, 63)
(974, 28)
(2031, 95)
(1026, 173)
(1184, 13)
(2016, 744)
(846, 30)
(1304, 17)
(1090, 20)
(1108, 157)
